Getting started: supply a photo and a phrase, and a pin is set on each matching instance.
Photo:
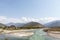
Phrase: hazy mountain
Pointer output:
(33, 24)
(2, 25)
(16, 24)
(53, 24)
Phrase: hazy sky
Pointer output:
(30, 8)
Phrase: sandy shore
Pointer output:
(55, 34)
(21, 34)
(18, 33)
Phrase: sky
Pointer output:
(29, 10)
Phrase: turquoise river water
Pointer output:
(38, 35)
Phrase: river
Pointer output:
(38, 35)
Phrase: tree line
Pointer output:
(13, 27)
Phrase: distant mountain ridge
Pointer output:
(2, 25)
(16, 24)
(24, 25)
(34, 24)
(53, 24)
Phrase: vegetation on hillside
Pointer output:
(30, 25)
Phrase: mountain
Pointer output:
(16, 24)
(53, 24)
(2, 25)
(33, 24)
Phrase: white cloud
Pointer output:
(4, 19)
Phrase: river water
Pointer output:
(38, 35)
